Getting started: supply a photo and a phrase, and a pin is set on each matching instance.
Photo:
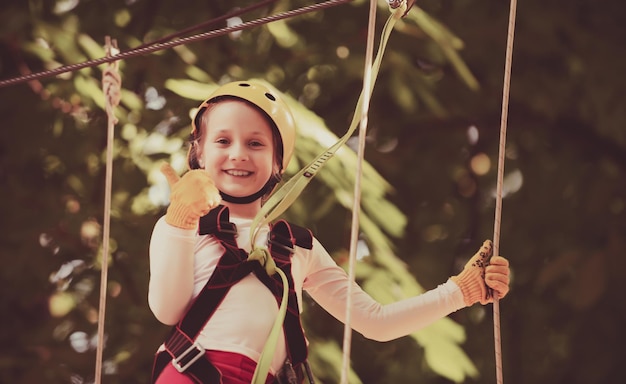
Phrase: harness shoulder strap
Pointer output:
(285, 234)
(231, 268)
(284, 237)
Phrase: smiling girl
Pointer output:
(222, 305)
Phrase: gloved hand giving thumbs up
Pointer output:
(192, 196)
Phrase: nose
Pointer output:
(238, 152)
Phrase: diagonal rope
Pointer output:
(500, 177)
(182, 41)
(234, 13)
(111, 89)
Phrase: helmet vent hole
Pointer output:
(270, 96)
(244, 84)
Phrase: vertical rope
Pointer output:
(500, 178)
(111, 89)
(356, 204)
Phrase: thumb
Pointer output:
(170, 174)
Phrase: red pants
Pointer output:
(235, 369)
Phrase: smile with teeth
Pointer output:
(237, 172)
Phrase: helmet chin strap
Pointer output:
(250, 198)
(242, 200)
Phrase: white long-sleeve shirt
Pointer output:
(181, 262)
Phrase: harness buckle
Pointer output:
(195, 347)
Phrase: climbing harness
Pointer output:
(182, 351)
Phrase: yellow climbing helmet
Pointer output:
(267, 100)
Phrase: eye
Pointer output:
(256, 143)
(222, 141)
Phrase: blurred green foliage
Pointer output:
(428, 185)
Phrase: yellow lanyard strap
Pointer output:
(289, 192)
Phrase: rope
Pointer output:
(111, 89)
(356, 203)
(143, 50)
(234, 13)
(500, 177)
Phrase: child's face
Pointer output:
(237, 148)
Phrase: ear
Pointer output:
(200, 160)
(197, 149)
(277, 171)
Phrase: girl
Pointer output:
(242, 140)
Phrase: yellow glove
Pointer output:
(497, 276)
(192, 197)
(481, 273)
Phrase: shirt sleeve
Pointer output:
(326, 283)
(171, 271)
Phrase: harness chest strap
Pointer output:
(180, 346)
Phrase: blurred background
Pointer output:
(428, 189)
